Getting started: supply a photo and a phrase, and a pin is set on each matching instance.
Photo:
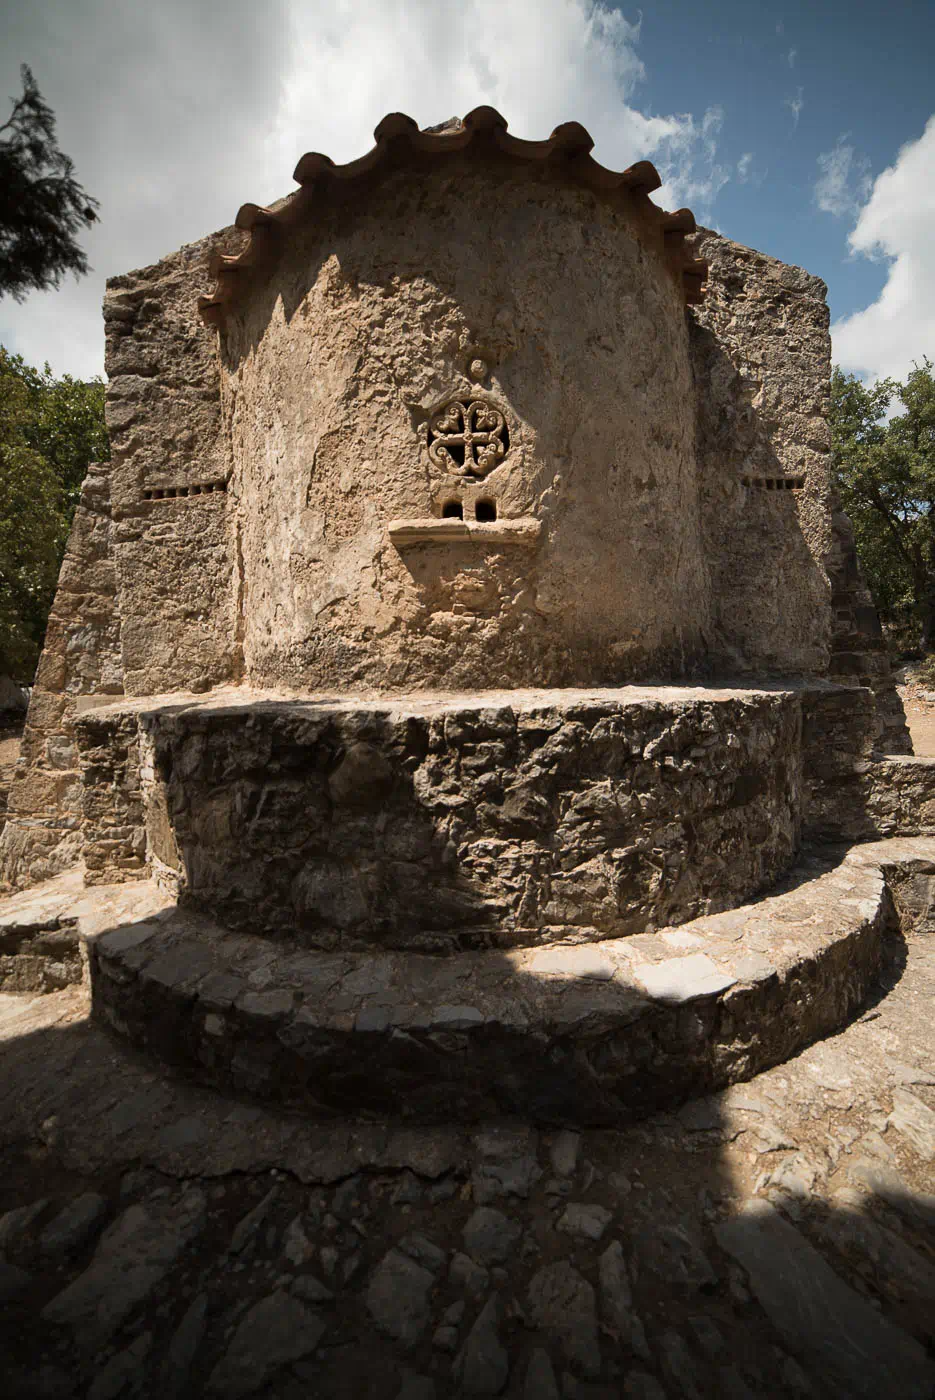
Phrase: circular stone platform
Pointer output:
(493, 820)
(579, 1034)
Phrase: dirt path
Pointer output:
(920, 717)
(9, 753)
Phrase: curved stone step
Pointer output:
(595, 1033)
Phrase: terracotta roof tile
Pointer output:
(400, 142)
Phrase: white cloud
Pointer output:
(791, 56)
(161, 108)
(795, 105)
(896, 224)
(352, 63)
(748, 173)
(687, 161)
(174, 118)
(843, 181)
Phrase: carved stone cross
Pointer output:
(470, 438)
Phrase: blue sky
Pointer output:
(863, 72)
(807, 131)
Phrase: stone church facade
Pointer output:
(469, 413)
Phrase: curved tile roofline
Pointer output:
(400, 142)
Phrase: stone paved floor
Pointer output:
(778, 1240)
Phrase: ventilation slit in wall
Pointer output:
(170, 493)
(774, 483)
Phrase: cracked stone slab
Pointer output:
(276, 1330)
(73, 1225)
(915, 1121)
(398, 1297)
(561, 1303)
(490, 1237)
(574, 960)
(584, 1220)
(682, 979)
(483, 1364)
(133, 1256)
(857, 1353)
(15, 1223)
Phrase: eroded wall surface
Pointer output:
(175, 545)
(859, 653)
(762, 360)
(786, 584)
(369, 322)
(147, 597)
(81, 666)
(507, 819)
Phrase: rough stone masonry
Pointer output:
(462, 737)
(466, 580)
(391, 456)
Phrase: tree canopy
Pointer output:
(42, 206)
(884, 461)
(50, 430)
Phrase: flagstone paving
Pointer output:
(775, 1239)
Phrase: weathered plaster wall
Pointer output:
(762, 362)
(176, 556)
(80, 667)
(367, 322)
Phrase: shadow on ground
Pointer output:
(775, 1239)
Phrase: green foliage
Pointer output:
(885, 470)
(50, 430)
(42, 206)
(66, 425)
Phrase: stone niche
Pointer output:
(462, 425)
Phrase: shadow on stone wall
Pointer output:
(442, 830)
(537, 816)
(771, 594)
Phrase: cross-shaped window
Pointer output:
(470, 437)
